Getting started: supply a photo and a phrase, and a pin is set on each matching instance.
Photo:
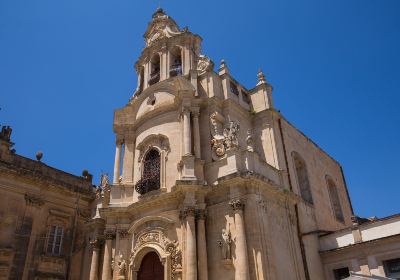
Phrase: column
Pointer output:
(94, 267)
(129, 154)
(241, 265)
(106, 274)
(164, 69)
(117, 161)
(202, 245)
(191, 255)
(196, 131)
(187, 136)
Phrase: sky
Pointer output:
(66, 65)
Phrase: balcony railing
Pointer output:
(146, 185)
(175, 70)
(154, 78)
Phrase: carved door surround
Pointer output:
(149, 236)
(160, 143)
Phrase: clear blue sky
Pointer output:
(66, 65)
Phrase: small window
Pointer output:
(54, 240)
(245, 97)
(392, 268)
(341, 273)
(234, 88)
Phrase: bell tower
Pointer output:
(169, 51)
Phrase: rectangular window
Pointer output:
(234, 88)
(392, 268)
(341, 273)
(54, 240)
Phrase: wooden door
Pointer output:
(151, 268)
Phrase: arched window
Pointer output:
(175, 68)
(150, 180)
(335, 200)
(302, 177)
(154, 69)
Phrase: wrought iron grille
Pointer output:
(151, 173)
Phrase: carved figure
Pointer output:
(104, 180)
(222, 139)
(204, 64)
(225, 245)
(230, 135)
(121, 268)
(250, 141)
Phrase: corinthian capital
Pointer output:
(188, 211)
(236, 204)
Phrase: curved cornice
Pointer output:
(138, 223)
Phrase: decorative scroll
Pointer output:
(204, 64)
(158, 238)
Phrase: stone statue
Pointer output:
(230, 135)
(121, 268)
(250, 141)
(104, 181)
(225, 244)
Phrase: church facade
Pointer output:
(210, 181)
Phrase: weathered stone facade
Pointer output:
(210, 177)
(43, 212)
(210, 182)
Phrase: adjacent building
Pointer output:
(43, 215)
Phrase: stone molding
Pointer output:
(33, 200)
(159, 141)
(156, 240)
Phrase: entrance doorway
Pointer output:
(151, 268)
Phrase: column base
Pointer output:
(188, 168)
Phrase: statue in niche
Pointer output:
(121, 268)
(225, 244)
(250, 141)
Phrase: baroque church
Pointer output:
(210, 182)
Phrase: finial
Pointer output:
(39, 155)
(223, 68)
(261, 77)
(159, 12)
(222, 64)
